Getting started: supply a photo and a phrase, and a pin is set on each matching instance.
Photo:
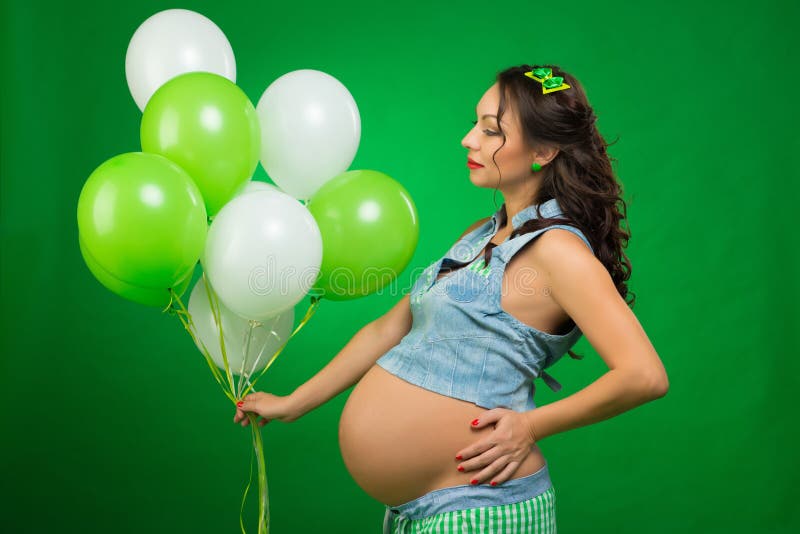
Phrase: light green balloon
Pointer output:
(142, 219)
(148, 296)
(369, 228)
(208, 126)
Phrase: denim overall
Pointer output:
(464, 345)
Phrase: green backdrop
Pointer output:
(111, 420)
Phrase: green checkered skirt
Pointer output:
(536, 515)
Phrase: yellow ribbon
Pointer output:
(550, 83)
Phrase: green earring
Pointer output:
(536, 167)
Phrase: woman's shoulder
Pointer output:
(557, 249)
(559, 241)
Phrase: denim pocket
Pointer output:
(469, 284)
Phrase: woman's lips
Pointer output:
(472, 165)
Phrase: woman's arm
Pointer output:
(582, 286)
(361, 353)
(355, 359)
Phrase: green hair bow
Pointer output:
(550, 83)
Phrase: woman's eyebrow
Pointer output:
(489, 115)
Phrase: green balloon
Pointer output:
(143, 295)
(143, 220)
(369, 228)
(207, 125)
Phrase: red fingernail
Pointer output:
(494, 483)
(239, 404)
(460, 467)
(473, 481)
(458, 457)
(475, 422)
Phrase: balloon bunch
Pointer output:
(146, 219)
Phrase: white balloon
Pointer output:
(263, 253)
(251, 186)
(174, 42)
(266, 338)
(248, 187)
(310, 130)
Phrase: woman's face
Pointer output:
(482, 141)
(514, 159)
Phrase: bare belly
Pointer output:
(399, 441)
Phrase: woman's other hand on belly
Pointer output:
(497, 455)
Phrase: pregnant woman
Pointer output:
(442, 427)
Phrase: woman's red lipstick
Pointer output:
(472, 165)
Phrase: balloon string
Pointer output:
(253, 324)
(177, 308)
(263, 490)
(246, 489)
(272, 333)
(186, 318)
(214, 305)
(171, 300)
(309, 313)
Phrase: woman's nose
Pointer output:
(469, 141)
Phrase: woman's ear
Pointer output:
(544, 155)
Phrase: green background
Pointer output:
(111, 419)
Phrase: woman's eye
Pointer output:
(487, 131)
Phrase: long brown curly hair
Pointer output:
(580, 177)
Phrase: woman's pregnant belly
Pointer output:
(399, 441)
